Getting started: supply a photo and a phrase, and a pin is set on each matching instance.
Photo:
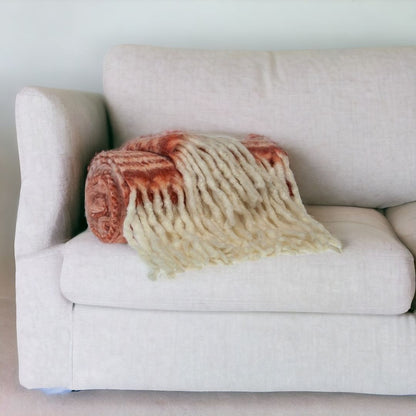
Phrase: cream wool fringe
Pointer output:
(235, 209)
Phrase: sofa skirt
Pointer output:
(223, 351)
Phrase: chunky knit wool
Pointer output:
(185, 200)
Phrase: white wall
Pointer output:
(62, 43)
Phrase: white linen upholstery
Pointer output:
(403, 220)
(205, 351)
(373, 275)
(44, 321)
(337, 111)
(58, 132)
(17, 401)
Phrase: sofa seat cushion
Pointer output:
(373, 275)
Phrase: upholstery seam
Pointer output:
(72, 346)
(352, 222)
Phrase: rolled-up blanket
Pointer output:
(112, 176)
(185, 200)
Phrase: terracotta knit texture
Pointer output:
(185, 200)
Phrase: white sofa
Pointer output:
(89, 318)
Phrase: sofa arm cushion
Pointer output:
(58, 132)
(403, 220)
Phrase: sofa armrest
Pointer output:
(43, 321)
(58, 132)
(403, 220)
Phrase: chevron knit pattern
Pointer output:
(185, 200)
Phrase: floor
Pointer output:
(17, 401)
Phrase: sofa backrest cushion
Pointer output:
(346, 117)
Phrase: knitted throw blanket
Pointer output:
(185, 200)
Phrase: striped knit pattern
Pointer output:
(185, 200)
